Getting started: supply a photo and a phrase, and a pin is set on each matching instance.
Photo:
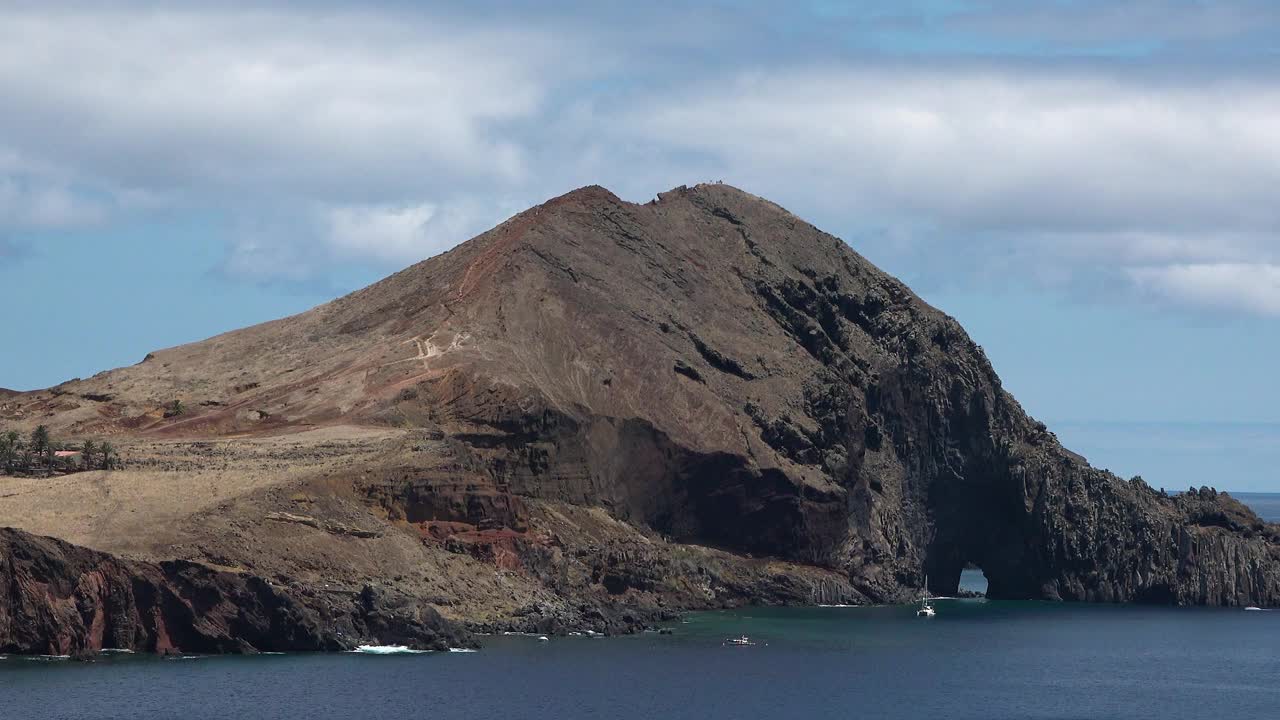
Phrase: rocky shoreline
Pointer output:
(64, 600)
(61, 599)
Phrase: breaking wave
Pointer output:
(388, 650)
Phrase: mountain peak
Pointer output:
(598, 196)
(586, 194)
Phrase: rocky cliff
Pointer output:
(60, 599)
(707, 370)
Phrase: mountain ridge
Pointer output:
(706, 370)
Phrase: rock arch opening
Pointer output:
(975, 530)
(973, 580)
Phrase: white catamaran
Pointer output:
(926, 603)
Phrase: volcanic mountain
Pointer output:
(599, 412)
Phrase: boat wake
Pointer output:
(1254, 608)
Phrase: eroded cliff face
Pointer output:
(706, 369)
(1086, 535)
(714, 368)
(60, 599)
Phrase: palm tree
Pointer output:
(41, 447)
(86, 454)
(108, 456)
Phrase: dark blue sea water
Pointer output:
(1267, 505)
(976, 659)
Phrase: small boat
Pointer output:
(741, 640)
(543, 638)
(926, 602)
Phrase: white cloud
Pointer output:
(33, 196)
(1046, 175)
(385, 136)
(383, 231)
(992, 149)
(1252, 288)
(1142, 248)
(203, 100)
(297, 249)
(28, 203)
(403, 234)
(265, 115)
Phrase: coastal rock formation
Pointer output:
(1090, 536)
(60, 599)
(708, 371)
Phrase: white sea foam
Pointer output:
(1258, 609)
(463, 650)
(388, 650)
(116, 651)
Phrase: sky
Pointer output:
(1088, 186)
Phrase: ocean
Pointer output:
(1267, 505)
(976, 659)
(985, 660)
